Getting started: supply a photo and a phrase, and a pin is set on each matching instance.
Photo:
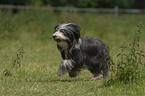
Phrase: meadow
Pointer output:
(36, 75)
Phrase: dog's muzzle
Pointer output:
(56, 39)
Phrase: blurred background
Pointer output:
(80, 3)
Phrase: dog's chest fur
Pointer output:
(65, 53)
(64, 47)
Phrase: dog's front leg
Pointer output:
(65, 67)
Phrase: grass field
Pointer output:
(36, 76)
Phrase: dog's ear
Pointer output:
(61, 51)
(75, 26)
(76, 30)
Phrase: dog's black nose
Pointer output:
(54, 36)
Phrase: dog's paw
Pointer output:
(65, 67)
(61, 72)
(97, 77)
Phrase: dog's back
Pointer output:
(96, 55)
(93, 46)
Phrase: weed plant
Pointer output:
(16, 63)
(130, 62)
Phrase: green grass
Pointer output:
(36, 76)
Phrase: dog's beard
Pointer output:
(63, 44)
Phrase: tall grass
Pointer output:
(129, 67)
(15, 64)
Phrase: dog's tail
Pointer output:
(65, 67)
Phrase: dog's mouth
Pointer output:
(57, 40)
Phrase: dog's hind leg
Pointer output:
(97, 73)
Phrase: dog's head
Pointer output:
(66, 34)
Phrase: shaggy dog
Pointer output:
(79, 52)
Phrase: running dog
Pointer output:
(79, 52)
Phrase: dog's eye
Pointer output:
(63, 30)
(56, 29)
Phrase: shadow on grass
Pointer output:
(67, 80)
(61, 80)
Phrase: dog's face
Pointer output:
(66, 34)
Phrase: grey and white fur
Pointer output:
(79, 52)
